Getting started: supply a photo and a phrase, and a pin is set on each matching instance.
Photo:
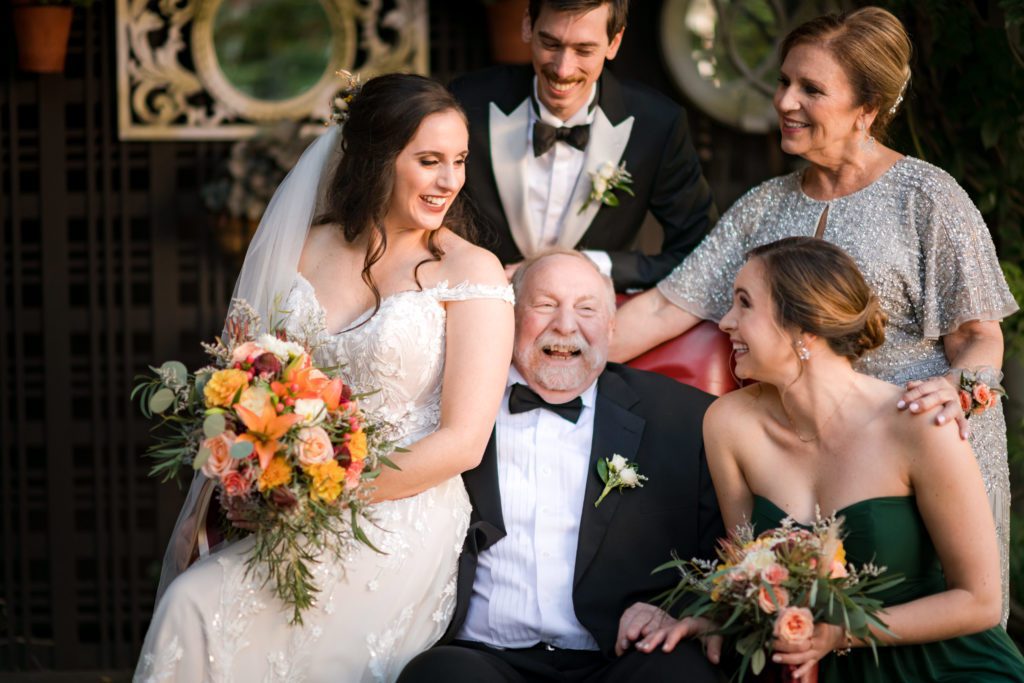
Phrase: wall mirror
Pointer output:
(723, 53)
(222, 69)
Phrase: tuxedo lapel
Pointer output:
(509, 156)
(616, 431)
(607, 143)
(482, 485)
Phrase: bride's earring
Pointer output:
(802, 352)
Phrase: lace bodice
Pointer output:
(398, 353)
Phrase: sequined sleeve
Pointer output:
(962, 277)
(702, 283)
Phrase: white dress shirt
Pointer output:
(552, 176)
(522, 592)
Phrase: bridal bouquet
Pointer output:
(778, 585)
(281, 439)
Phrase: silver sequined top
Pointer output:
(917, 237)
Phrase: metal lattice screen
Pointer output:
(108, 264)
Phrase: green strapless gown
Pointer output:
(889, 531)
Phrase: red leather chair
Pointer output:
(700, 357)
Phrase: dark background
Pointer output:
(109, 263)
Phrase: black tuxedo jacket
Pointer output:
(633, 124)
(656, 422)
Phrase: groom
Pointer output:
(537, 135)
(545, 575)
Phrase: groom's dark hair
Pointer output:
(617, 11)
(382, 119)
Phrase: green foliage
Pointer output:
(965, 109)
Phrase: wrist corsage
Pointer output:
(604, 181)
(979, 389)
(618, 473)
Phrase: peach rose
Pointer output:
(774, 574)
(236, 484)
(794, 624)
(764, 599)
(837, 570)
(354, 472)
(220, 461)
(255, 399)
(965, 401)
(982, 394)
(314, 446)
(245, 351)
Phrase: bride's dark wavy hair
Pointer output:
(382, 118)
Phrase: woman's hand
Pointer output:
(804, 654)
(671, 632)
(923, 395)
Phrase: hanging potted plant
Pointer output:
(42, 28)
(505, 21)
(240, 191)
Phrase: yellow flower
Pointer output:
(276, 473)
(222, 387)
(327, 478)
(840, 555)
(357, 445)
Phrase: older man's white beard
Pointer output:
(552, 374)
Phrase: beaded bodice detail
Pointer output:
(397, 353)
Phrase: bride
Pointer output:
(383, 285)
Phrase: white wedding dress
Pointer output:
(375, 611)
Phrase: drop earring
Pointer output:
(802, 352)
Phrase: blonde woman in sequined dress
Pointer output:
(915, 234)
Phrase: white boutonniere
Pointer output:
(618, 473)
(604, 181)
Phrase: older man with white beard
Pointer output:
(555, 584)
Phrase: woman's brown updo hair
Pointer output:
(817, 288)
(873, 49)
(382, 119)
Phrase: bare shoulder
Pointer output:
(731, 412)
(464, 261)
(319, 240)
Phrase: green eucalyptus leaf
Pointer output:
(757, 660)
(161, 400)
(241, 449)
(201, 457)
(214, 425)
(177, 371)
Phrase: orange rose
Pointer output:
(354, 472)
(982, 394)
(314, 446)
(965, 401)
(220, 461)
(794, 624)
(764, 599)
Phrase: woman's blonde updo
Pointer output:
(817, 288)
(874, 50)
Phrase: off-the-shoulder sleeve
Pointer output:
(962, 277)
(702, 283)
(465, 291)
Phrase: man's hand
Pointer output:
(239, 518)
(922, 396)
(638, 621)
(672, 632)
(511, 269)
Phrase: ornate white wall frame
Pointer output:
(171, 85)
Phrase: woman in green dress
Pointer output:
(814, 435)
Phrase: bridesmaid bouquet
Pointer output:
(778, 585)
(282, 440)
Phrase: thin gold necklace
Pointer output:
(815, 437)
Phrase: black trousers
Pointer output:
(469, 662)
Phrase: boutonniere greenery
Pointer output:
(605, 181)
(618, 473)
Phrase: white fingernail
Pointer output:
(902, 404)
(914, 407)
(941, 419)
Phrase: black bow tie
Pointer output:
(545, 136)
(523, 399)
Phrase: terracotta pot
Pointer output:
(783, 673)
(505, 21)
(42, 34)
